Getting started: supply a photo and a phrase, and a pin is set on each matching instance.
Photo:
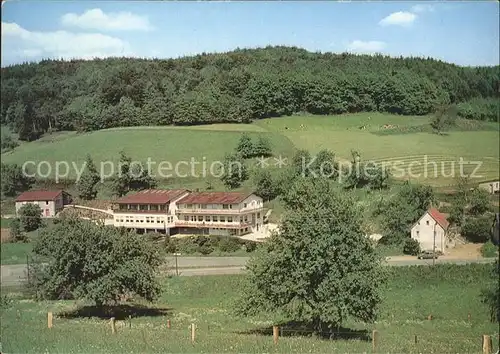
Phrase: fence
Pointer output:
(376, 341)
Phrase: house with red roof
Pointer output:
(50, 201)
(185, 212)
(220, 213)
(431, 231)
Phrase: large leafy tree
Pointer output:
(87, 185)
(265, 186)
(131, 176)
(320, 269)
(93, 262)
(400, 211)
(13, 180)
(245, 146)
(233, 171)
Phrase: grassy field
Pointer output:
(15, 253)
(409, 297)
(396, 147)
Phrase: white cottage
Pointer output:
(430, 231)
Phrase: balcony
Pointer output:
(217, 211)
(204, 224)
(133, 211)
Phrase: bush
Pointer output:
(411, 247)
(229, 244)
(250, 246)
(489, 249)
(477, 230)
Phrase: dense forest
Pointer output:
(237, 86)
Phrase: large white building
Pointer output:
(182, 211)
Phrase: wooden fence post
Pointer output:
(416, 340)
(168, 324)
(276, 334)
(486, 344)
(129, 321)
(49, 319)
(113, 327)
(468, 316)
(193, 332)
(375, 340)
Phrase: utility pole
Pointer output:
(434, 246)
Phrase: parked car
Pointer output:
(428, 255)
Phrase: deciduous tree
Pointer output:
(320, 269)
(30, 216)
(83, 260)
(87, 185)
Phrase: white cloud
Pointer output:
(19, 42)
(113, 21)
(422, 8)
(365, 46)
(400, 18)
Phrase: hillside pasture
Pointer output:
(390, 139)
(411, 295)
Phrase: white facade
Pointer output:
(49, 207)
(429, 234)
(223, 219)
(158, 220)
(491, 187)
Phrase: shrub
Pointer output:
(229, 244)
(205, 249)
(411, 247)
(489, 249)
(476, 229)
(250, 246)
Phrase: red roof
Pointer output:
(31, 196)
(439, 217)
(152, 196)
(214, 198)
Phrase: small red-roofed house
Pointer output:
(431, 231)
(50, 201)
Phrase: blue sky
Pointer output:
(465, 33)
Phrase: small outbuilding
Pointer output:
(431, 231)
(50, 201)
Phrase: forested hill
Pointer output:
(233, 87)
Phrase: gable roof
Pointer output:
(31, 196)
(214, 198)
(152, 196)
(439, 217)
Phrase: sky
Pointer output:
(464, 33)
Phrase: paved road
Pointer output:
(189, 266)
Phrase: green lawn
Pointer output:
(340, 134)
(409, 297)
(15, 253)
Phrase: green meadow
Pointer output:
(408, 140)
(410, 296)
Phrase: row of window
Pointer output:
(216, 206)
(214, 218)
(143, 207)
(147, 219)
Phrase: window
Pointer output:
(153, 207)
(158, 220)
(418, 233)
(222, 219)
(186, 218)
(193, 218)
(229, 219)
(161, 207)
(203, 206)
(427, 222)
(225, 206)
(200, 217)
(246, 218)
(244, 205)
(47, 202)
(215, 218)
(207, 218)
(143, 207)
(258, 215)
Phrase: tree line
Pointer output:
(237, 86)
